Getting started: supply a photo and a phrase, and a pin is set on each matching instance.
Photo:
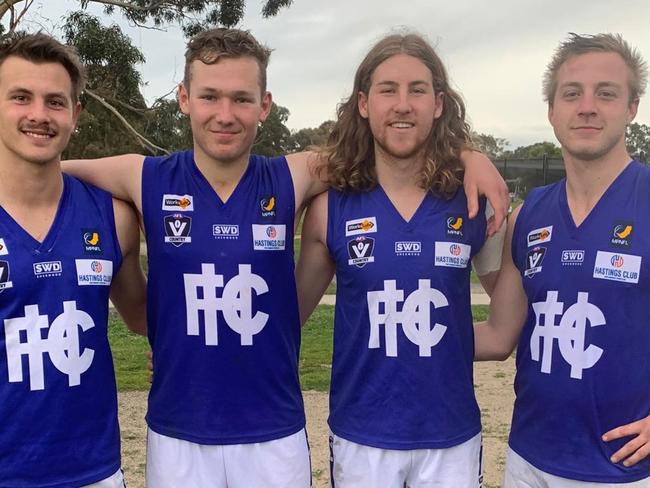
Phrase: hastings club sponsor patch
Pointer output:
(360, 251)
(452, 254)
(3, 247)
(177, 203)
(177, 229)
(622, 234)
(617, 267)
(534, 260)
(365, 225)
(4, 276)
(94, 272)
(269, 237)
(540, 236)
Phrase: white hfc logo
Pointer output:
(62, 345)
(235, 303)
(569, 333)
(415, 316)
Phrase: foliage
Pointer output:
(116, 118)
(535, 151)
(638, 140)
(192, 15)
(110, 60)
(493, 147)
(273, 137)
(305, 138)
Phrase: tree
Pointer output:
(638, 140)
(116, 117)
(305, 138)
(493, 147)
(113, 81)
(273, 137)
(536, 151)
(192, 15)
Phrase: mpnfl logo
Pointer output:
(48, 268)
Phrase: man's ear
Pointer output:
(183, 98)
(362, 104)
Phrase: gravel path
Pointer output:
(493, 389)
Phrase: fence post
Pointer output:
(545, 169)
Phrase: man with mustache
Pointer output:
(64, 245)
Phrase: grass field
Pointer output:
(130, 350)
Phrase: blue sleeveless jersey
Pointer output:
(583, 360)
(403, 338)
(57, 386)
(222, 307)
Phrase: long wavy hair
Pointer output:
(350, 152)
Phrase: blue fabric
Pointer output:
(598, 274)
(225, 352)
(403, 385)
(58, 401)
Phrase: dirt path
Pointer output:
(493, 389)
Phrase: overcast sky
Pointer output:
(495, 51)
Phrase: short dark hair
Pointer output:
(42, 48)
(214, 44)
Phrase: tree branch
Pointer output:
(27, 6)
(144, 142)
(7, 5)
(130, 6)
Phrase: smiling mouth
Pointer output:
(38, 135)
(402, 125)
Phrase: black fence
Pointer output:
(522, 175)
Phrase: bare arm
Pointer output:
(307, 182)
(487, 261)
(128, 291)
(315, 266)
(119, 175)
(496, 338)
(482, 178)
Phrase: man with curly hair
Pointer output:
(225, 407)
(394, 226)
(573, 291)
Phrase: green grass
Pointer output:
(129, 355)
(129, 351)
(316, 349)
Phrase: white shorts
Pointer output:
(357, 466)
(176, 463)
(114, 481)
(519, 473)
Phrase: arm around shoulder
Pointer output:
(496, 338)
(483, 178)
(128, 290)
(307, 173)
(119, 175)
(315, 267)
